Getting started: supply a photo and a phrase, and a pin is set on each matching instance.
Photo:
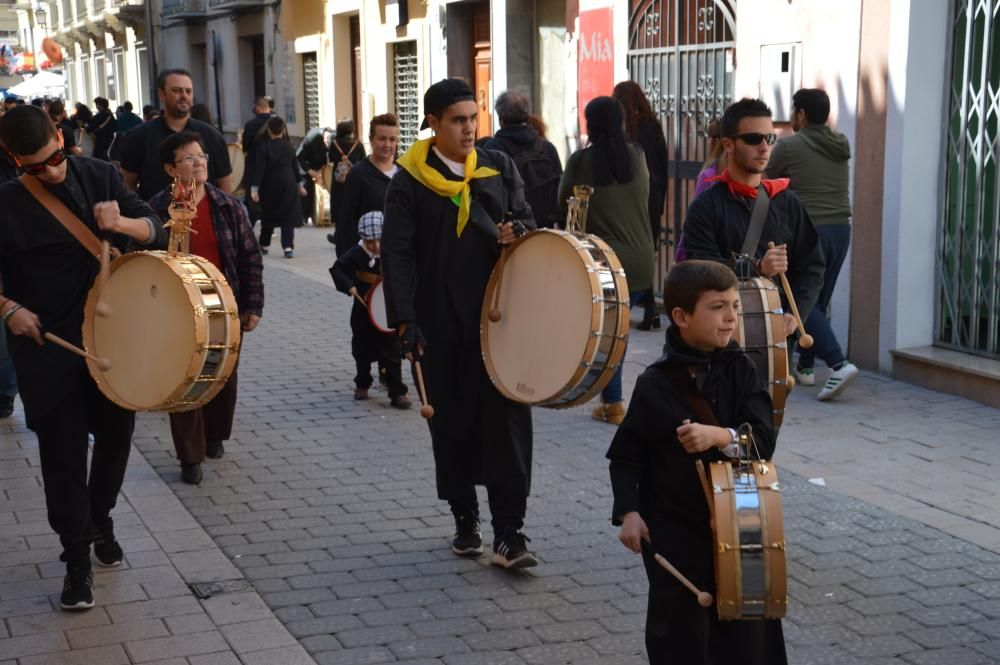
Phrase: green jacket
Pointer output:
(618, 214)
(816, 160)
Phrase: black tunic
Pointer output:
(438, 279)
(364, 191)
(278, 175)
(48, 272)
(652, 474)
(354, 155)
(253, 135)
(103, 127)
(367, 344)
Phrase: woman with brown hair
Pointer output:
(277, 186)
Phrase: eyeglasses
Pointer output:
(192, 159)
(754, 138)
(38, 168)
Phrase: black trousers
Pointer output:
(192, 430)
(368, 345)
(507, 508)
(75, 502)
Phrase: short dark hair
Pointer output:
(127, 106)
(276, 125)
(263, 100)
(384, 120)
(148, 109)
(512, 108)
(687, 280)
(345, 129)
(170, 145)
(56, 108)
(101, 103)
(25, 129)
(161, 80)
(816, 104)
(745, 108)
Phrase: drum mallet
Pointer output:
(805, 339)
(361, 300)
(427, 411)
(704, 597)
(494, 313)
(103, 364)
(103, 309)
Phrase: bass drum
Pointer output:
(238, 161)
(564, 320)
(173, 336)
(761, 333)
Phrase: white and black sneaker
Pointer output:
(106, 548)
(78, 589)
(468, 540)
(839, 379)
(510, 550)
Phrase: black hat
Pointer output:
(443, 94)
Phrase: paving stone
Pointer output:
(30, 645)
(142, 651)
(105, 655)
(946, 636)
(258, 635)
(358, 656)
(82, 638)
(949, 656)
(951, 615)
(429, 647)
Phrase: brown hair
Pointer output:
(538, 124)
(384, 120)
(25, 129)
(636, 105)
(687, 280)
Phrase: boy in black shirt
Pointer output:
(658, 495)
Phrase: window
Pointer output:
(120, 92)
(142, 67)
(406, 93)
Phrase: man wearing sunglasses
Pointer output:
(47, 275)
(718, 220)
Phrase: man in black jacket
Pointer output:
(47, 275)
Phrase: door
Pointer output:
(356, 112)
(482, 68)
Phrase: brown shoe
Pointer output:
(360, 393)
(599, 412)
(401, 402)
(615, 413)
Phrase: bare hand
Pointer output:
(248, 322)
(108, 216)
(697, 438)
(506, 233)
(790, 324)
(775, 261)
(633, 532)
(255, 197)
(315, 175)
(25, 322)
(353, 291)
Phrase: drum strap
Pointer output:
(64, 215)
(684, 382)
(757, 218)
(366, 277)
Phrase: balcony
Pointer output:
(186, 10)
(220, 6)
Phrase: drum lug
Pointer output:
(187, 279)
(763, 469)
(234, 347)
(778, 546)
(200, 310)
(716, 489)
(774, 487)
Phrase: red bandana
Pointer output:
(773, 187)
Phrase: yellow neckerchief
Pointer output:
(414, 161)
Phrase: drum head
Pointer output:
(150, 336)
(547, 311)
(376, 308)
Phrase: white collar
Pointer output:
(458, 168)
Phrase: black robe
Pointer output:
(651, 473)
(47, 271)
(364, 191)
(367, 344)
(354, 155)
(438, 279)
(254, 134)
(277, 174)
(103, 127)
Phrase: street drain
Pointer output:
(205, 590)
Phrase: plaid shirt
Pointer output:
(241, 260)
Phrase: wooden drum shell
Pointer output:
(761, 333)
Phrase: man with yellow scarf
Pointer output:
(448, 212)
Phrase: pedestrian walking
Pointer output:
(816, 162)
(277, 187)
(149, 112)
(313, 154)
(200, 112)
(57, 111)
(223, 235)
(710, 170)
(126, 118)
(438, 250)
(618, 213)
(345, 152)
(254, 133)
(81, 118)
(103, 126)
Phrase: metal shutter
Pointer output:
(406, 93)
(310, 76)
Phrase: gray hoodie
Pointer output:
(815, 159)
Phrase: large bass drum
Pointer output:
(564, 319)
(173, 335)
(761, 333)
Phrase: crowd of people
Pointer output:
(429, 226)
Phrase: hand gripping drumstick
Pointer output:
(103, 364)
(427, 411)
(361, 300)
(103, 309)
(494, 313)
(805, 339)
(704, 597)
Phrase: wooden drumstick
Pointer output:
(494, 313)
(805, 339)
(361, 300)
(427, 411)
(103, 364)
(103, 309)
(704, 597)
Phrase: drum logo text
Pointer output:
(524, 389)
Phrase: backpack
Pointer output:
(541, 181)
(344, 165)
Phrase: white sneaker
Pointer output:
(838, 380)
(805, 376)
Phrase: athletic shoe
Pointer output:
(6, 406)
(106, 548)
(838, 381)
(78, 589)
(191, 474)
(805, 376)
(330, 239)
(263, 250)
(289, 253)
(215, 449)
(510, 550)
(468, 540)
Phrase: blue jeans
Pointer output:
(834, 239)
(613, 391)
(8, 381)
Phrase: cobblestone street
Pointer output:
(323, 520)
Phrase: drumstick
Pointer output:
(427, 411)
(361, 300)
(494, 313)
(103, 364)
(805, 339)
(704, 597)
(103, 309)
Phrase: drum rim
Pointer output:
(368, 302)
(777, 385)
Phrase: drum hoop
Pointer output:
(368, 302)
(772, 531)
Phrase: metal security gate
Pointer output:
(968, 260)
(310, 88)
(682, 53)
(406, 92)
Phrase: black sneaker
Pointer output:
(191, 474)
(6, 406)
(468, 540)
(510, 550)
(215, 450)
(78, 589)
(106, 548)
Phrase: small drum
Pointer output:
(564, 320)
(376, 308)
(238, 161)
(761, 333)
(173, 336)
(750, 574)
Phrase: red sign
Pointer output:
(595, 58)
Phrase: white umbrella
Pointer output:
(40, 85)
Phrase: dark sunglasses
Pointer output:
(754, 138)
(55, 159)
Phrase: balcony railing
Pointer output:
(83, 9)
(219, 5)
(182, 8)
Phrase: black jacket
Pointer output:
(364, 191)
(717, 222)
(649, 135)
(516, 139)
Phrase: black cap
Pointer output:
(443, 94)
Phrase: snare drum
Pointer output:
(173, 336)
(761, 333)
(564, 319)
(375, 299)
